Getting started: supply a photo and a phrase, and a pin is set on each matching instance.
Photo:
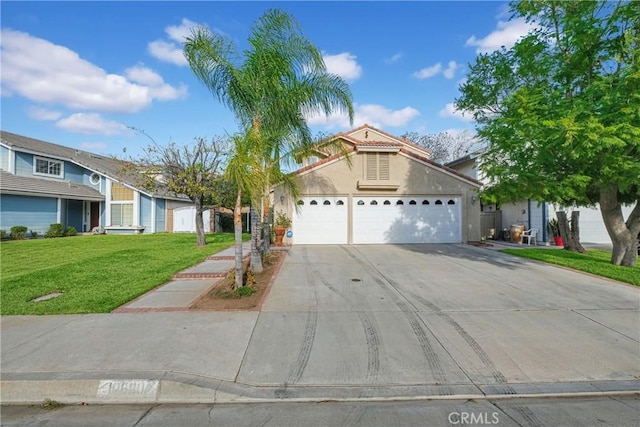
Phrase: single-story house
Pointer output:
(530, 213)
(42, 183)
(379, 189)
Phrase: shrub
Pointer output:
(34, 234)
(55, 230)
(3, 235)
(70, 231)
(18, 232)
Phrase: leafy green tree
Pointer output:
(271, 87)
(561, 112)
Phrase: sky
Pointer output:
(82, 74)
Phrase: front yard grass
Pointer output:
(95, 274)
(594, 261)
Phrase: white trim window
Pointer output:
(48, 167)
(121, 205)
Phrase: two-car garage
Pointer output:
(377, 220)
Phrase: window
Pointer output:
(412, 202)
(300, 202)
(377, 167)
(425, 202)
(451, 202)
(339, 203)
(94, 178)
(373, 202)
(121, 205)
(386, 202)
(360, 202)
(438, 202)
(399, 202)
(326, 202)
(49, 167)
(313, 202)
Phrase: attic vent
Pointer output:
(94, 178)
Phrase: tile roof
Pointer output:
(409, 149)
(378, 144)
(10, 183)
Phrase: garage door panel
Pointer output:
(321, 220)
(379, 220)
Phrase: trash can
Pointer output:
(516, 233)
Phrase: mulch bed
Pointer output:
(218, 299)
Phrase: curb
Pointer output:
(202, 390)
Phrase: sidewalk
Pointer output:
(467, 333)
(187, 286)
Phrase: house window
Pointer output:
(121, 205)
(377, 167)
(48, 167)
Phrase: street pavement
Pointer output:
(348, 323)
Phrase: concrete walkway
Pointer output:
(187, 286)
(347, 323)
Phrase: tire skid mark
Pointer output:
(528, 415)
(296, 371)
(430, 355)
(371, 333)
(475, 346)
(354, 418)
(372, 337)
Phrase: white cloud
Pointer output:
(180, 32)
(168, 52)
(68, 80)
(91, 123)
(43, 113)
(394, 58)
(506, 34)
(343, 64)
(451, 70)
(171, 50)
(373, 114)
(449, 110)
(158, 89)
(428, 72)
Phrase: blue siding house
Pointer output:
(42, 183)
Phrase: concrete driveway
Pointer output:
(442, 315)
(349, 322)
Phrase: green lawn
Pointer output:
(594, 262)
(95, 273)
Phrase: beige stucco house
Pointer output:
(379, 189)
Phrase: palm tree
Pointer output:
(244, 169)
(271, 88)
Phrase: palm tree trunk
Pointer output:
(237, 231)
(266, 225)
(256, 254)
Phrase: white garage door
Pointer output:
(592, 228)
(320, 221)
(406, 220)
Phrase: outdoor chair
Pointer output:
(530, 235)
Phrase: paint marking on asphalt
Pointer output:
(122, 389)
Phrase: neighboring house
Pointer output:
(42, 183)
(380, 189)
(530, 213)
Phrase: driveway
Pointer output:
(442, 315)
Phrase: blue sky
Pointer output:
(79, 73)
